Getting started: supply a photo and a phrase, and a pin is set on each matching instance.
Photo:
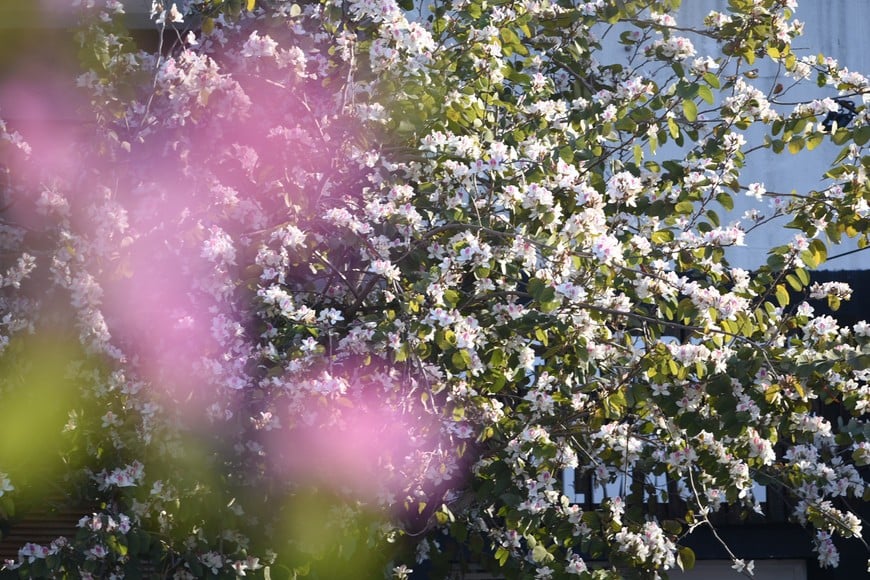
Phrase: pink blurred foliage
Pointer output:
(360, 445)
(235, 175)
(44, 108)
(152, 311)
(235, 160)
(354, 456)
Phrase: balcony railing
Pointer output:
(669, 498)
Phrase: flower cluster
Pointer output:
(338, 288)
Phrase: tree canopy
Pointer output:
(328, 288)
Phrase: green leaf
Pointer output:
(686, 558)
(803, 276)
(794, 282)
(814, 140)
(673, 128)
(844, 152)
(662, 236)
(117, 546)
(776, 127)
(687, 91)
(725, 200)
(772, 393)
(841, 136)
(712, 80)
(713, 217)
(498, 382)
(690, 110)
(548, 295)
(509, 36)
(782, 295)
(819, 251)
(706, 94)
(496, 358)
(861, 135)
(461, 359)
(540, 554)
(535, 288)
(795, 145)
(684, 207)
(615, 404)
(251, 5)
(445, 339)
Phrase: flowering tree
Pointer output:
(341, 288)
